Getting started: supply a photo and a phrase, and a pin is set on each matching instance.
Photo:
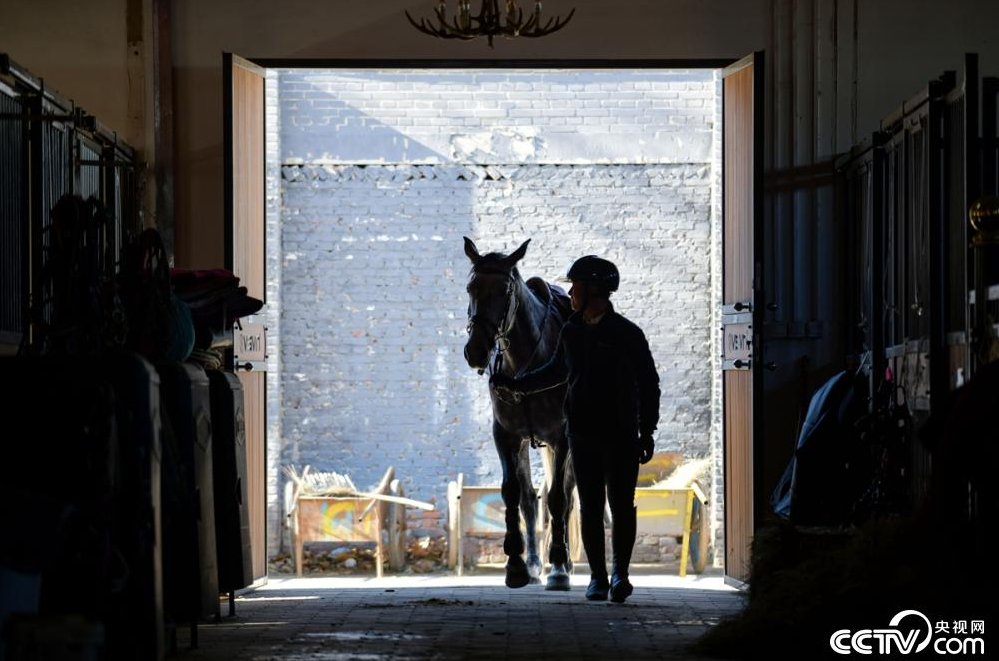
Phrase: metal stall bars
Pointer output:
(984, 274)
(916, 260)
(861, 190)
(905, 193)
(14, 244)
(963, 185)
(49, 147)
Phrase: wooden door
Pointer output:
(742, 221)
(243, 89)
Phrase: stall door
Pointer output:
(742, 329)
(243, 90)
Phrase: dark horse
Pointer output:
(513, 327)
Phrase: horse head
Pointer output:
(492, 301)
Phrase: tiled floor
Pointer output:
(444, 617)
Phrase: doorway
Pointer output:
(374, 174)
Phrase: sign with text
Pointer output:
(249, 342)
(738, 342)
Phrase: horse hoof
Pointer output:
(558, 580)
(558, 583)
(514, 580)
(517, 575)
(534, 570)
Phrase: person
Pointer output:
(611, 411)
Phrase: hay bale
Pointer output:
(658, 468)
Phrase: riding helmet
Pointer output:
(595, 270)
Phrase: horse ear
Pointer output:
(517, 255)
(471, 250)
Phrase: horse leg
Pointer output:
(508, 446)
(559, 502)
(529, 508)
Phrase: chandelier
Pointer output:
(490, 22)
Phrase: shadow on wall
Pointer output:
(333, 121)
(371, 325)
(373, 330)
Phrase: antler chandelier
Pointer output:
(490, 22)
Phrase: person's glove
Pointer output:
(646, 448)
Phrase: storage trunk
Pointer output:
(232, 521)
(190, 568)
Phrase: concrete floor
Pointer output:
(445, 617)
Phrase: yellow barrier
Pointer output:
(676, 513)
(479, 510)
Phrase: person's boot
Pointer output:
(598, 588)
(622, 543)
(620, 588)
(593, 543)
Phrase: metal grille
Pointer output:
(90, 172)
(894, 274)
(990, 136)
(127, 223)
(56, 181)
(907, 201)
(957, 213)
(990, 167)
(916, 228)
(13, 231)
(857, 185)
(50, 148)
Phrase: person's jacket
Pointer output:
(613, 386)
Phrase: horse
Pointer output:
(513, 327)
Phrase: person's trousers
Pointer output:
(606, 468)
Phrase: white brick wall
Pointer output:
(716, 496)
(272, 313)
(499, 116)
(385, 171)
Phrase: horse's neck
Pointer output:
(527, 328)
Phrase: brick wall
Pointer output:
(272, 312)
(383, 172)
(469, 116)
(716, 491)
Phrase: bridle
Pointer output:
(500, 333)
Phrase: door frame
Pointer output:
(757, 60)
(252, 407)
(720, 64)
